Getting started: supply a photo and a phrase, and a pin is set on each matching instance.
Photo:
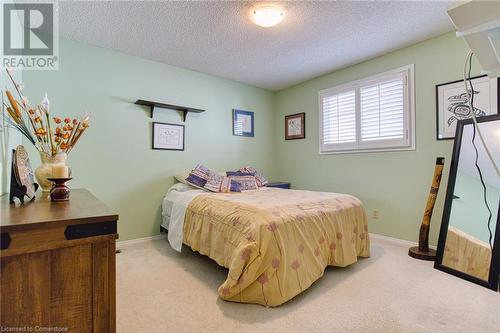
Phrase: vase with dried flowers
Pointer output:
(54, 138)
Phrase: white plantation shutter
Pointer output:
(339, 118)
(369, 114)
(382, 112)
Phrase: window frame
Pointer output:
(376, 145)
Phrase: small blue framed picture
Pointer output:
(242, 123)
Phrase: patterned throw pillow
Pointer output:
(239, 173)
(219, 183)
(247, 182)
(199, 175)
(261, 181)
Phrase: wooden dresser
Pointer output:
(58, 264)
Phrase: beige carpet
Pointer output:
(159, 290)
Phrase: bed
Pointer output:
(274, 242)
(467, 254)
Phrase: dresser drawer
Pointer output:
(29, 241)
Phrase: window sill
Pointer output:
(378, 150)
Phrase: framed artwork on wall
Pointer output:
(243, 123)
(168, 136)
(452, 103)
(295, 126)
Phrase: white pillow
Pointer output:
(181, 187)
(181, 177)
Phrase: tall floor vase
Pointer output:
(422, 251)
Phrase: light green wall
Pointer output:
(114, 159)
(395, 183)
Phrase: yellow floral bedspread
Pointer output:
(276, 242)
(467, 254)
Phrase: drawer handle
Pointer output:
(89, 230)
(5, 241)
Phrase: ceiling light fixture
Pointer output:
(267, 16)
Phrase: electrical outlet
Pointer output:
(375, 214)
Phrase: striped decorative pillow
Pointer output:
(199, 175)
(261, 181)
(246, 182)
(219, 183)
(239, 173)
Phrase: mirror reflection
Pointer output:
(469, 239)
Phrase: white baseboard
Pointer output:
(122, 244)
(396, 241)
(387, 239)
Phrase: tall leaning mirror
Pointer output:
(469, 240)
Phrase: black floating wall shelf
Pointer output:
(185, 110)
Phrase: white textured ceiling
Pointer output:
(218, 38)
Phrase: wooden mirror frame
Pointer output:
(493, 278)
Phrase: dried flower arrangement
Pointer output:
(35, 123)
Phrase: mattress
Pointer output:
(174, 195)
(174, 207)
(166, 211)
(275, 242)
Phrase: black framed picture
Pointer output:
(452, 103)
(295, 126)
(168, 136)
(243, 123)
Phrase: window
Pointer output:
(372, 114)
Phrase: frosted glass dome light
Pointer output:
(267, 16)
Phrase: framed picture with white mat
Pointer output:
(168, 136)
(452, 103)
